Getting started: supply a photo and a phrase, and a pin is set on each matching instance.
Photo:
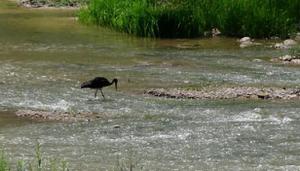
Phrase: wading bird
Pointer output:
(98, 83)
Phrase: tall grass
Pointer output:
(191, 18)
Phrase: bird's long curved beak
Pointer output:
(116, 85)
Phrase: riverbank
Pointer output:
(177, 19)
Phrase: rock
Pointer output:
(246, 44)
(280, 46)
(215, 32)
(245, 39)
(116, 126)
(289, 42)
(296, 61)
(263, 95)
(286, 58)
(257, 60)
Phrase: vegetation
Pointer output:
(295, 51)
(192, 18)
(39, 164)
(3, 162)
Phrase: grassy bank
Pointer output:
(192, 18)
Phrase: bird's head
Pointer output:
(116, 83)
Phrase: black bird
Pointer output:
(98, 83)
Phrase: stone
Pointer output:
(280, 46)
(246, 44)
(296, 61)
(257, 60)
(116, 126)
(245, 39)
(289, 42)
(286, 58)
(215, 32)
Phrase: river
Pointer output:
(45, 54)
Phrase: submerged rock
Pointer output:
(227, 93)
(57, 116)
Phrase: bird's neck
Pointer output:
(112, 82)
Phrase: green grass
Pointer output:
(39, 163)
(191, 18)
(3, 162)
(295, 51)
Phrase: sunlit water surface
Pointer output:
(46, 54)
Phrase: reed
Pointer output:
(192, 18)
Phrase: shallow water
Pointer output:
(46, 54)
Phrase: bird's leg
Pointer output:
(96, 93)
(102, 93)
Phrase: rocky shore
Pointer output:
(286, 44)
(288, 59)
(58, 116)
(51, 4)
(228, 93)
